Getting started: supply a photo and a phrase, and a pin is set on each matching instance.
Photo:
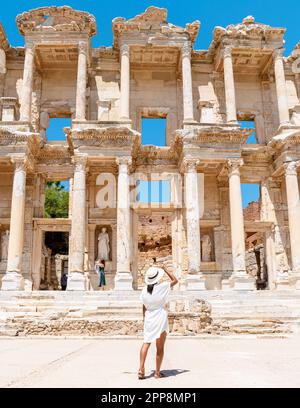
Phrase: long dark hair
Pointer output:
(150, 288)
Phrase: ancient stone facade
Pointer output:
(151, 71)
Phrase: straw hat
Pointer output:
(153, 275)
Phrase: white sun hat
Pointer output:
(153, 275)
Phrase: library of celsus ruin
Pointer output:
(206, 98)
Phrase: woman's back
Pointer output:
(157, 298)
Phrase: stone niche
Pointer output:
(208, 260)
(3, 257)
(110, 264)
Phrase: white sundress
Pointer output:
(156, 316)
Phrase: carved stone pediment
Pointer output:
(154, 19)
(48, 19)
(248, 28)
(107, 137)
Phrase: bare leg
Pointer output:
(143, 355)
(160, 345)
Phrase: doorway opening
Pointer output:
(154, 242)
(55, 260)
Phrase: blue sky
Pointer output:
(210, 13)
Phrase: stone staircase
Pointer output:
(119, 313)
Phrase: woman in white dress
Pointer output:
(154, 297)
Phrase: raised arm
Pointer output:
(170, 274)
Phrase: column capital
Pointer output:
(233, 166)
(30, 46)
(227, 51)
(125, 49)
(82, 47)
(291, 168)
(20, 162)
(278, 53)
(190, 165)
(186, 49)
(80, 162)
(123, 161)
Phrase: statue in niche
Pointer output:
(4, 245)
(206, 248)
(103, 245)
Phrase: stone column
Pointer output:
(283, 110)
(123, 278)
(229, 86)
(13, 279)
(77, 279)
(194, 279)
(293, 203)
(187, 85)
(125, 81)
(81, 81)
(25, 108)
(240, 280)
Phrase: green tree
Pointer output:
(56, 200)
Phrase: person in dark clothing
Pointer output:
(64, 281)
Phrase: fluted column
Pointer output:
(194, 280)
(293, 202)
(283, 110)
(240, 279)
(25, 103)
(13, 279)
(125, 81)
(187, 85)
(229, 86)
(77, 279)
(123, 279)
(81, 81)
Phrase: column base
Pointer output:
(242, 283)
(195, 282)
(12, 281)
(77, 281)
(283, 281)
(123, 281)
(294, 280)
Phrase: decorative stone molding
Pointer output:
(56, 19)
(105, 136)
(210, 135)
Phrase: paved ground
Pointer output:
(194, 362)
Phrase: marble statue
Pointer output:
(206, 248)
(103, 245)
(4, 245)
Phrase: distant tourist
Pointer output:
(154, 297)
(64, 281)
(99, 266)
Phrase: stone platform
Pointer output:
(111, 313)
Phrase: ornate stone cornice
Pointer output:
(214, 134)
(56, 19)
(106, 137)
